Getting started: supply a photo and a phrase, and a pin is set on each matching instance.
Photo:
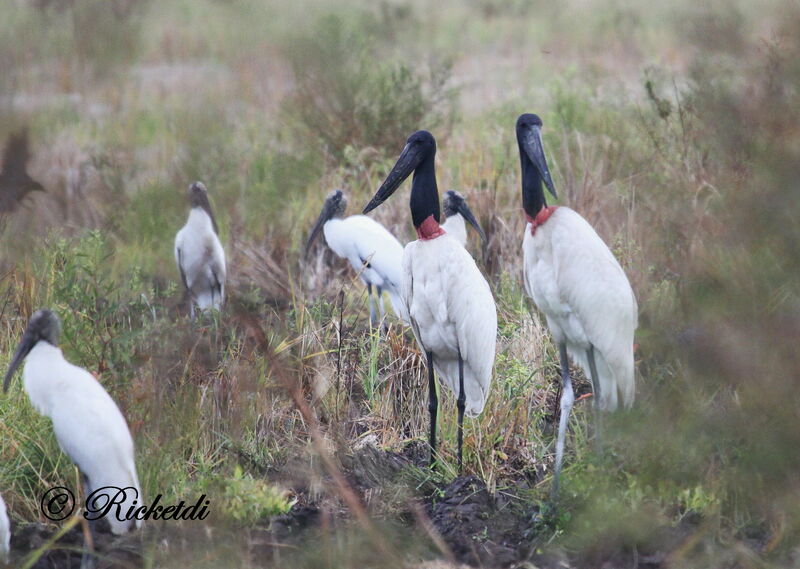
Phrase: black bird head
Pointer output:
(198, 197)
(44, 325)
(334, 206)
(531, 152)
(454, 203)
(418, 154)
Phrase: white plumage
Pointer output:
(88, 424)
(199, 254)
(455, 227)
(374, 253)
(452, 309)
(583, 292)
(5, 533)
(579, 286)
(450, 305)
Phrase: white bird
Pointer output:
(580, 287)
(456, 212)
(5, 533)
(450, 305)
(88, 424)
(199, 253)
(374, 253)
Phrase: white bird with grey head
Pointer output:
(88, 424)
(374, 253)
(457, 214)
(574, 279)
(450, 304)
(199, 254)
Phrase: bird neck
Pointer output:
(532, 189)
(425, 195)
(541, 217)
(199, 215)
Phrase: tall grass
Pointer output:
(672, 130)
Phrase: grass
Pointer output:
(671, 129)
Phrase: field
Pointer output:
(674, 129)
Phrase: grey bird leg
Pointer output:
(433, 406)
(383, 311)
(372, 314)
(567, 399)
(191, 307)
(88, 559)
(461, 403)
(598, 427)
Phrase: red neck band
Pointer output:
(429, 229)
(541, 217)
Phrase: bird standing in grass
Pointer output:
(450, 305)
(5, 533)
(580, 287)
(456, 213)
(199, 253)
(88, 424)
(374, 253)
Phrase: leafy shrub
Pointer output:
(344, 96)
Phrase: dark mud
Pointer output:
(459, 521)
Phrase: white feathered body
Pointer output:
(456, 228)
(88, 424)
(583, 292)
(361, 239)
(5, 533)
(201, 260)
(452, 309)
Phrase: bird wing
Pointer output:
(379, 248)
(471, 306)
(592, 283)
(92, 431)
(179, 261)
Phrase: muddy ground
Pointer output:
(458, 523)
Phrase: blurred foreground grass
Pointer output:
(674, 130)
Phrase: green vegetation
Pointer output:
(673, 129)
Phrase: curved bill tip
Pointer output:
(466, 212)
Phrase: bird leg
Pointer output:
(379, 290)
(372, 314)
(598, 427)
(567, 399)
(461, 403)
(191, 307)
(88, 559)
(433, 406)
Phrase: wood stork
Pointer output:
(88, 424)
(199, 253)
(456, 212)
(450, 305)
(580, 287)
(374, 253)
(5, 533)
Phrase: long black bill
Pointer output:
(407, 162)
(532, 143)
(466, 213)
(325, 215)
(25, 346)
